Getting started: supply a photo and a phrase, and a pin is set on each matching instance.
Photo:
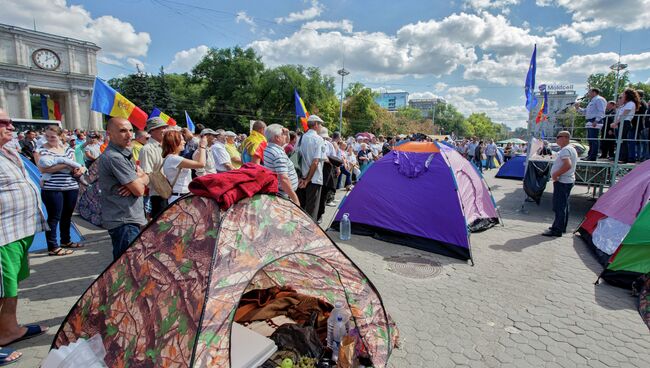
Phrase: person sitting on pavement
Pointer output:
(20, 219)
(122, 186)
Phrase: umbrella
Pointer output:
(365, 135)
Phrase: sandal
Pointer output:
(58, 252)
(5, 356)
(72, 245)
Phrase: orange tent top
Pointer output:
(417, 147)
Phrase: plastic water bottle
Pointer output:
(340, 330)
(337, 312)
(345, 227)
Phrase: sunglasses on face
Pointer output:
(6, 122)
(560, 136)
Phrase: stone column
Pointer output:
(76, 119)
(25, 102)
(3, 97)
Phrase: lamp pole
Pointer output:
(618, 67)
(342, 72)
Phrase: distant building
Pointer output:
(425, 105)
(559, 98)
(392, 101)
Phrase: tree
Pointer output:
(451, 120)
(482, 126)
(136, 88)
(162, 97)
(645, 87)
(360, 108)
(607, 82)
(230, 80)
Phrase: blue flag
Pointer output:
(190, 123)
(531, 101)
(545, 111)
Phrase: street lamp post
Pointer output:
(342, 72)
(618, 67)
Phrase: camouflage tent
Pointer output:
(169, 301)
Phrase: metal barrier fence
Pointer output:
(632, 138)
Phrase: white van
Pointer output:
(34, 124)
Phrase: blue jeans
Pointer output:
(59, 206)
(631, 143)
(121, 237)
(479, 164)
(490, 162)
(592, 139)
(644, 150)
(348, 177)
(561, 192)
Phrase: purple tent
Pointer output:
(422, 195)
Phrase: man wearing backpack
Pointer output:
(151, 159)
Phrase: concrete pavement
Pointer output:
(527, 301)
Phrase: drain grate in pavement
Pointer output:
(414, 267)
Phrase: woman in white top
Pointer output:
(177, 169)
(630, 102)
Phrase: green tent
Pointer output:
(632, 258)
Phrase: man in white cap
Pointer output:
(151, 159)
(221, 157)
(312, 149)
(210, 167)
(231, 147)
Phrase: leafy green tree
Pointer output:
(162, 97)
(137, 88)
(231, 80)
(607, 82)
(360, 109)
(450, 120)
(645, 87)
(482, 126)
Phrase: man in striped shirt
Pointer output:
(276, 160)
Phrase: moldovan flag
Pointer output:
(301, 111)
(543, 110)
(166, 118)
(50, 108)
(110, 102)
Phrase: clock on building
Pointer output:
(46, 59)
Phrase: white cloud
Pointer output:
(512, 116)
(242, 17)
(487, 4)
(440, 86)
(310, 13)
(344, 25)
(423, 95)
(135, 63)
(185, 60)
(574, 34)
(434, 47)
(464, 90)
(590, 16)
(117, 39)
(107, 60)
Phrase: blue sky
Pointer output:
(474, 53)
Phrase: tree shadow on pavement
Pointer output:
(519, 244)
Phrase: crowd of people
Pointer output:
(626, 117)
(141, 172)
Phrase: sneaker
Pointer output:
(330, 204)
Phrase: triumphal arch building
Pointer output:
(63, 69)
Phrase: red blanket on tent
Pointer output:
(229, 187)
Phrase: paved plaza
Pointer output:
(529, 301)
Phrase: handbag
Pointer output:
(159, 183)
